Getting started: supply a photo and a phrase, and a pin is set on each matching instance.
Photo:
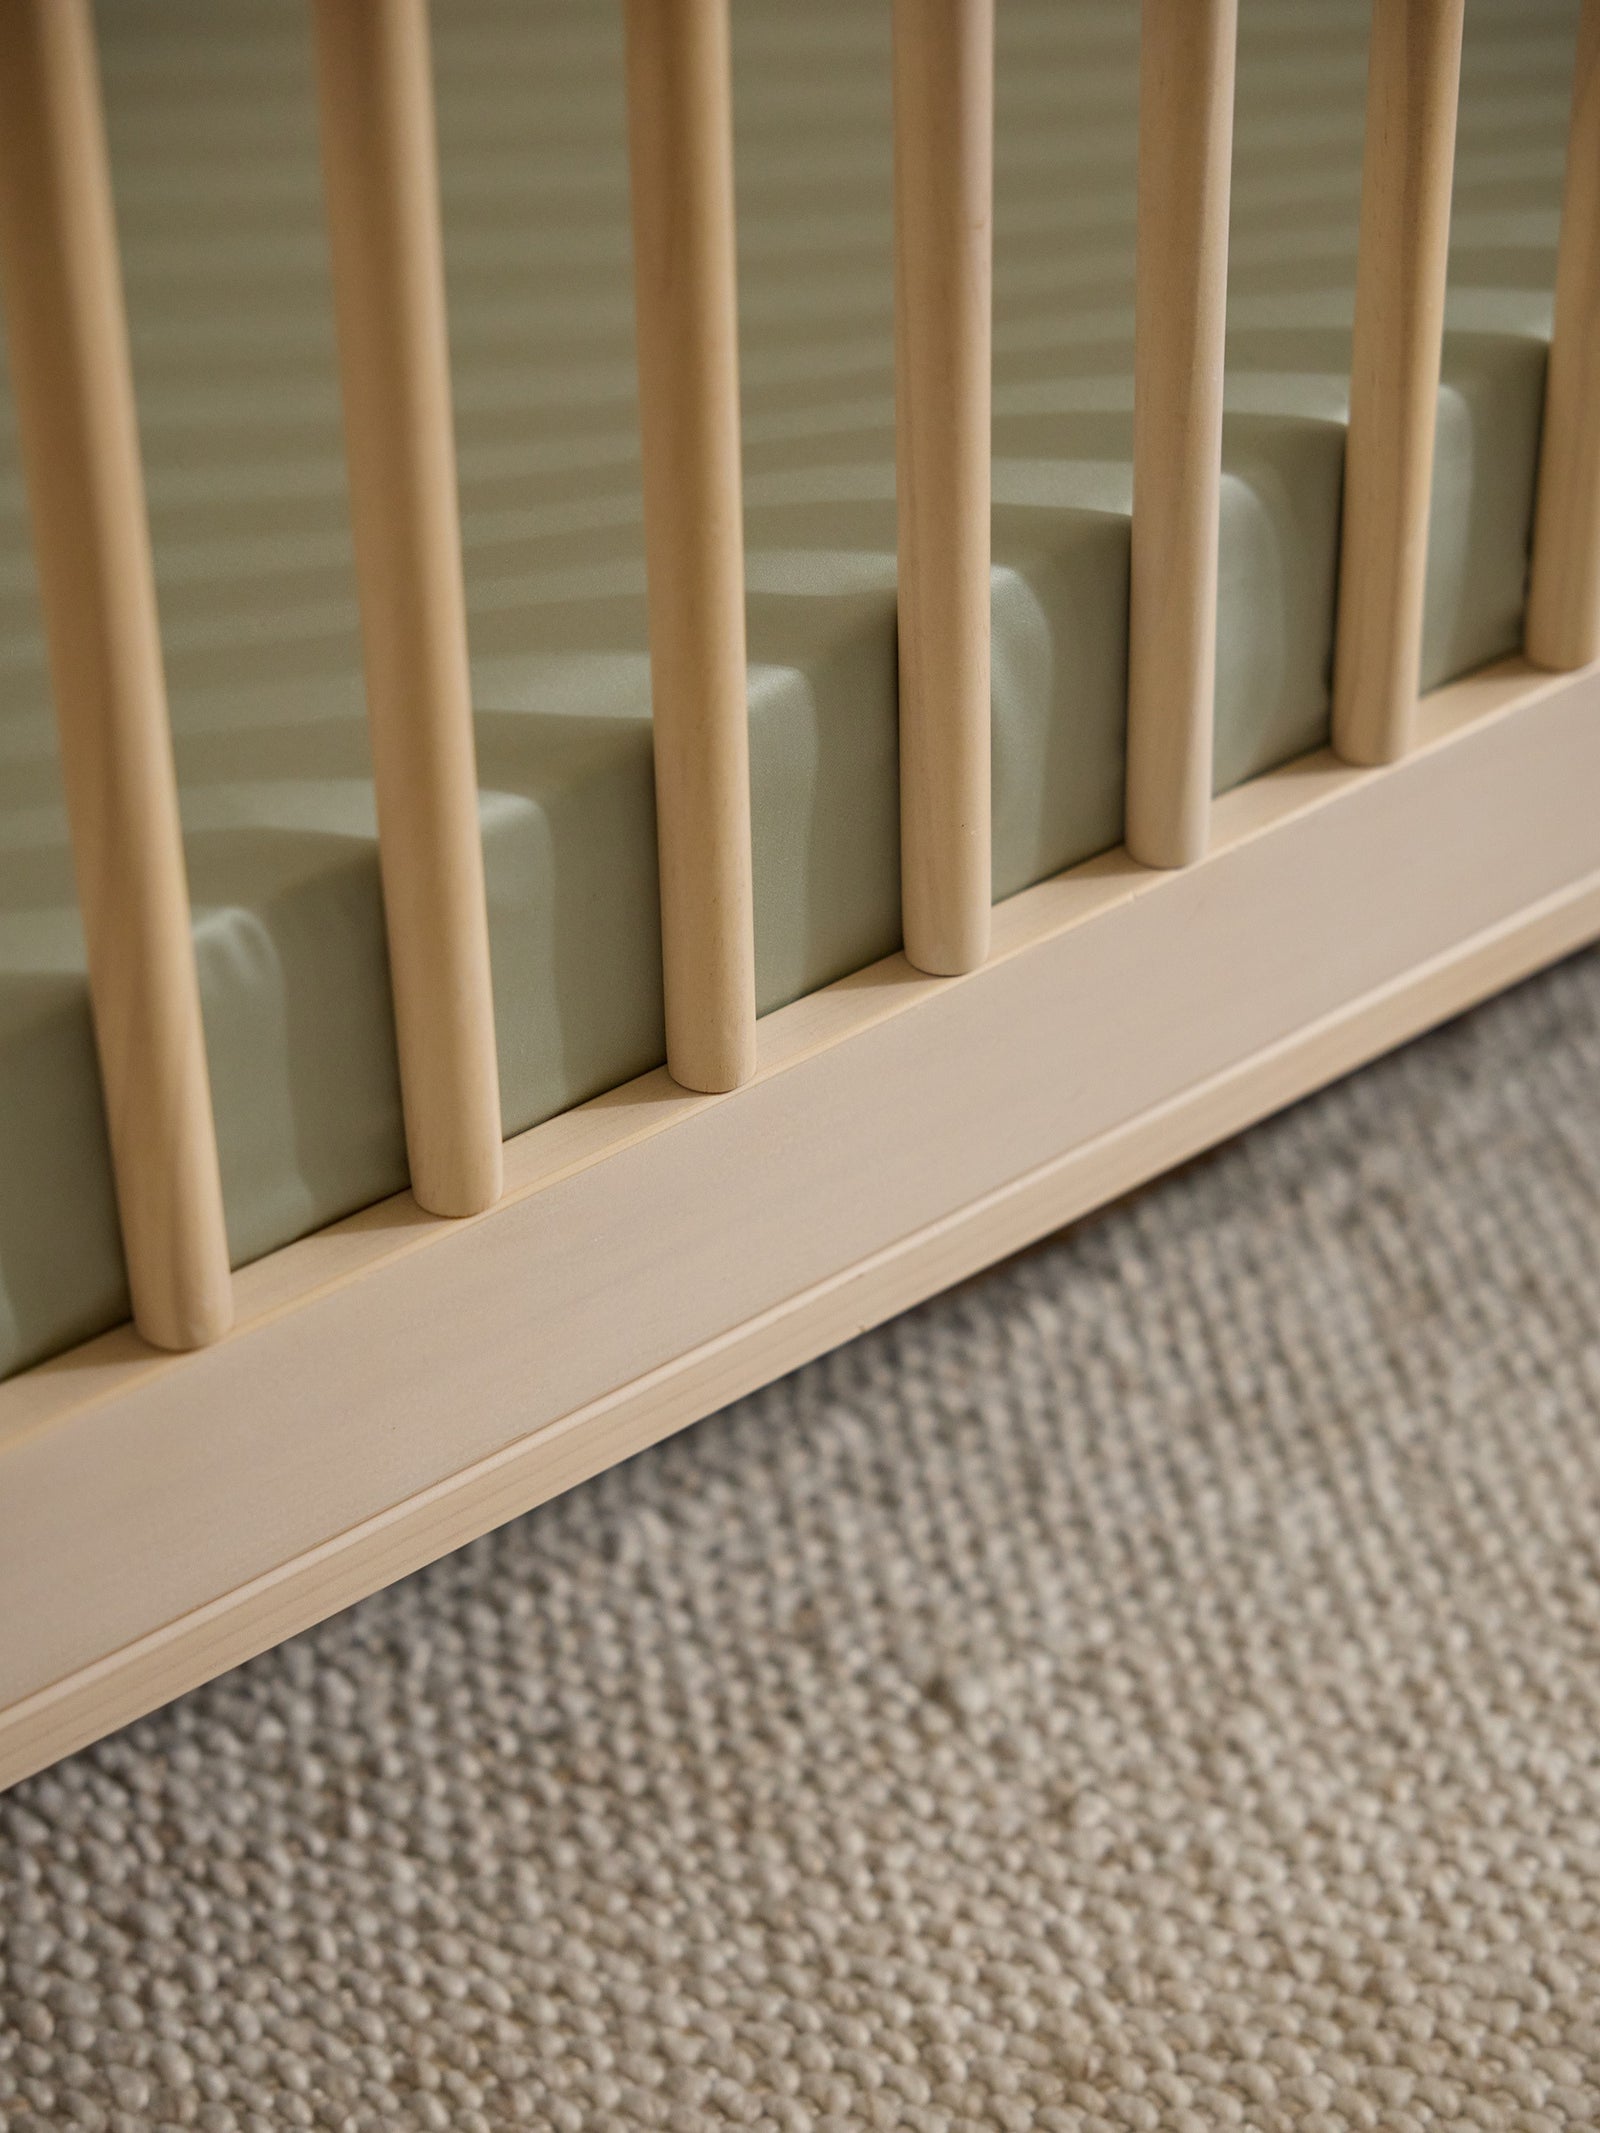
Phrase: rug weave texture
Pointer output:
(1156, 1686)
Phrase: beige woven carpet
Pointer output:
(1157, 1686)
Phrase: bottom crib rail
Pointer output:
(399, 1384)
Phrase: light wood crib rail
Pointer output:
(272, 1443)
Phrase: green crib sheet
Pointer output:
(214, 152)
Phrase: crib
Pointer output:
(282, 1430)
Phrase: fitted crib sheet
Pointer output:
(214, 154)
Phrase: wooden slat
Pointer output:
(380, 164)
(1186, 71)
(1413, 78)
(944, 227)
(75, 409)
(1563, 627)
(680, 131)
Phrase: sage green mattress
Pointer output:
(214, 152)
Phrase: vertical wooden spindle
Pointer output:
(1563, 626)
(380, 163)
(944, 243)
(73, 383)
(1186, 72)
(680, 135)
(1413, 80)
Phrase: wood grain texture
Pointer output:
(1186, 74)
(1563, 621)
(680, 139)
(73, 390)
(397, 1384)
(380, 164)
(1413, 79)
(944, 272)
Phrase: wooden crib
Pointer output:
(271, 1444)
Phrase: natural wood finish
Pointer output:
(944, 245)
(380, 164)
(1563, 625)
(73, 387)
(162, 1518)
(1186, 70)
(680, 137)
(1413, 76)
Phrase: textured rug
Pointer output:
(1156, 1686)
